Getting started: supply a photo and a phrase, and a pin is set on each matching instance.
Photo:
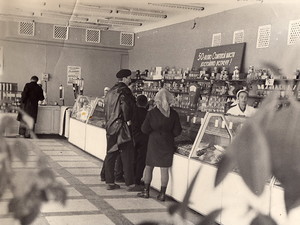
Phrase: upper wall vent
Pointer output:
(216, 39)
(263, 36)
(26, 28)
(127, 39)
(294, 32)
(60, 32)
(92, 35)
(238, 36)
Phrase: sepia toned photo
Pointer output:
(149, 112)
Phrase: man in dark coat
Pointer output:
(119, 103)
(31, 95)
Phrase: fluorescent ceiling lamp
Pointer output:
(81, 6)
(178, 6)
(123, 19)
(76, 24)
(62, 15)
(12, 17)
(118, 22)
(138, 13)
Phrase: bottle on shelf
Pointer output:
(236, 73)
(250, 74)
(214, 73)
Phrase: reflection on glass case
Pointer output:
(97, 117)
(82, 108)
(213, 138)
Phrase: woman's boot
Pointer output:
(145, 192)
(162, 194)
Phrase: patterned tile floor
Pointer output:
(88, 200)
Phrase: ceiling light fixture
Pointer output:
(123, 19)
(118, 22)
(178, 6)
(81, 6)
(138, 13)
(68, 16)
(5, 16)
(76, 24)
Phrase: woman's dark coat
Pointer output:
(162, 131)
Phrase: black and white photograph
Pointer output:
(154, 112)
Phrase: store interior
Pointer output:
(266, 31)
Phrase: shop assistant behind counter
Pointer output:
(242, 108)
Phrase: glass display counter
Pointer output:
(82, 108)
(97, 115)
(213, 138)
(79, 116)
(95, 142)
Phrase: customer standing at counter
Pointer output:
(162, 124)
(119, 104)
(31, 95)
(140, 141)
(242, 109)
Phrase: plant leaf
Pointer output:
(283, 138)
(291, 196)
(225, 165)
(26, 119)
(210, 218)
(261, 219)
(250, 148)
(20, 150)
(6, 122)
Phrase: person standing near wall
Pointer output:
(31, 95)
(162, 124)
(119, 104)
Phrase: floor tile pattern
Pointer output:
(88, 200)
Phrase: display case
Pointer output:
(95, 130)
(79, 116)
(97, 116)
(82, 108)
(232, 195)
(211, 143)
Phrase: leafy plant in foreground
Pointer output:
(30, 188)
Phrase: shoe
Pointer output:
(120, 180)
(145, 192)
(161, 197)
(135, 188)
(112, 186)
(162, 194)
(20, 136)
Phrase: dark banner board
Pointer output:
(227, 56)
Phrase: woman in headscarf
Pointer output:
(162, 124)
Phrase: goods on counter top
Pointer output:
(210, 154)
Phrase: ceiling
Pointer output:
(121, 15)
